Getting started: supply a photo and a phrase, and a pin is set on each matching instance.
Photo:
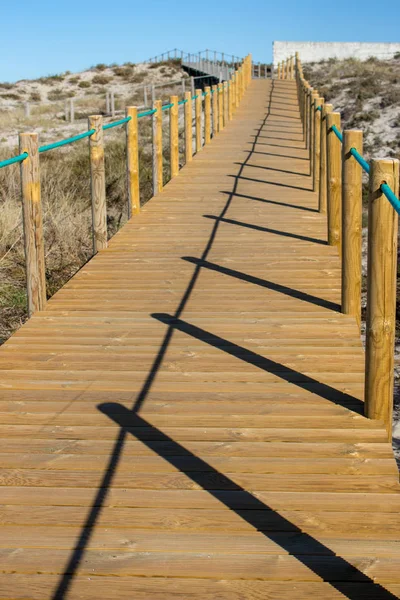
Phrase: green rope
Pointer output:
(116, 123)
(337, 133)
(167, 106)
(67, 141)
(13, 160)
(360, 159)
(146, 113)
(182, 102)
(391, 196)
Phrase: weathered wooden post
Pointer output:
(322, 199)
(107, 102)
(207, 115)
(112, 98)
(188, 127)
(132, 161)
(183, 87)
(226, 108)
(220, 107)
(318, 104)
(145, 95)
(174, 136)
(27, 110)
(381, 293)
(233, 93)
(192, 85)
(334, 173)
(98, 184)
(32, 222)
(215, 120)
(198, 105)
(157, 148)
(351, 225)
(71, 110)
(230, 85)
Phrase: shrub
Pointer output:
(6, 86)
(11, 96)
(101, 79)
(74, 80)
(51, 79)
(35, 96)
(59, 94)
(138, 78)
(84, 84)
(124, 72)
(100, 67)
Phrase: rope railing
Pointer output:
(337, 175)
(212, 110)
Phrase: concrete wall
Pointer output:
(315, 51)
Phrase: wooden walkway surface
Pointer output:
(184, 420)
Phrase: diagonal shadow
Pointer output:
(270, 285)
(286, 204)
(277, 170)
(266, 364)
(287, 146)
(278, 155)
(283, 139)
(284, 185)
(295, 236)
(335, 570)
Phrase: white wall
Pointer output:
(315, 51)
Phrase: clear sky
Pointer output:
(46, 37)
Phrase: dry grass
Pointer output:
(65, 181)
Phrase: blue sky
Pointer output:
(43, 37)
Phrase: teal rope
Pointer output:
(360, 159)
(167, 106)
(14, 159)
(67, 141)
(337, 133)
(194, 97)
(116, 123)
(146, 113)
(182, 102)
(391, 196)
(319, 108)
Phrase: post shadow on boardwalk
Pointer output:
(295, 236)
(276, 170)
(317, 557)
(284, 185)
(350, 589)
(276, 202)
(265, 283)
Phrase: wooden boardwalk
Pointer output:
(184, 420)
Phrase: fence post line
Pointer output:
(226, 107)
(174, 136)
(157, 148)
(198, 105)
(188, 127)
(215, 109)
(311, 127)
(192, 85)
(98, 183)
(220, 108)
(318, 102)
(71, 110)
(351, 225)
(132, 161)
(145, 95)
(207, 115)
(237, 83)
(32, 222)
(233, 93)
(322, 199)
(381, 293)
(334, 174)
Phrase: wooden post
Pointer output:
(157, 148)
(229, 92)
(226, 108)
(334, 172)
(27, 107)
(98, 184)
(381, 293)
(198, 105)
(220, 108)
(32, 223)
(192, 85)
(351, 225)
(215, 109)
(279, 70)
(132, 161)
(183, 87)
(188, 127)
(318, 104)
(322, 199)
(145, 95)
(112, 93)
(311, 127)
(66, 109)
(233, 93)
(174, 136)
(207, 115)
(71, 110)
(237, 89)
